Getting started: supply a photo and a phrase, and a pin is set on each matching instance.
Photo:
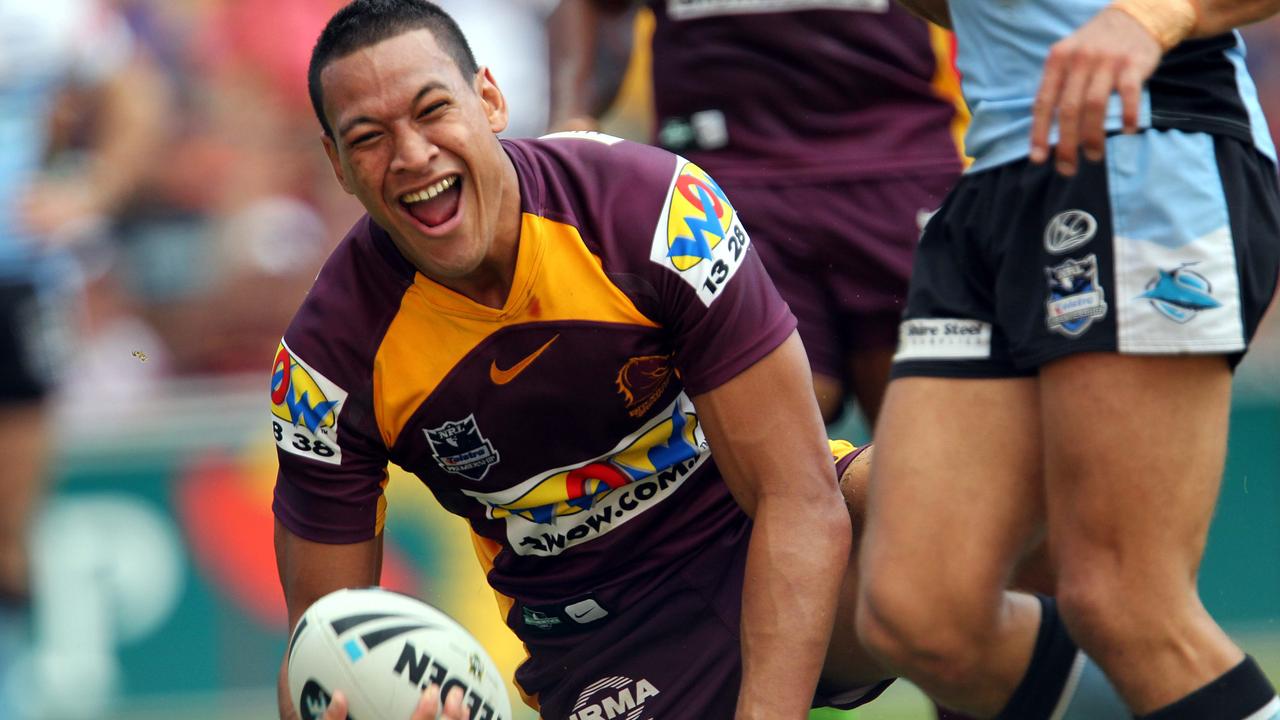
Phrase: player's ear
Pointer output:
(495, 103)
(331, 150)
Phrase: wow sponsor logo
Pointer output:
(304, 409)
(567, 506)
(699, 235)
(1181, 293)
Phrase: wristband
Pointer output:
(1168, 21)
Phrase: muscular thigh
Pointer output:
(955, 494)
(1135, 440)
(1134, 449)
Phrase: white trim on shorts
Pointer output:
(1172, 240)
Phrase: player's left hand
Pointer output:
(428, 706)
(1110, 53)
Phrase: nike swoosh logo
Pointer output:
(502, 377)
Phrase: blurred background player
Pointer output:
(48, 49)
(1076, 321)
(833, 124)
(510, 36)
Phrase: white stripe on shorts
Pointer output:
(1177, 284)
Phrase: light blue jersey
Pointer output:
(43, 46)
(1201, 86)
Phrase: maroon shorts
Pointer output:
(840, 253)
(676, 654)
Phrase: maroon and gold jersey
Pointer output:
(561, 425)
(808, 90)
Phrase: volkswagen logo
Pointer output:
(1069, 230)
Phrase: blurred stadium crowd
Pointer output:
(204, 262)
(193, 274)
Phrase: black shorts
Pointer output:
(33, 333)
(1171, 245)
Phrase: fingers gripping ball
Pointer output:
(382, 649)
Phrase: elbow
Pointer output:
(830, 527)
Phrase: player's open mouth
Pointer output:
(436, 204)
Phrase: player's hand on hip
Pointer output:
(1110, 53)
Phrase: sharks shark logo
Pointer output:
(1180, 294)
(699, 235)
(304, 409)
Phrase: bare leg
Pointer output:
(848, 664)
(1134, 449)
(955, 499)
(24, 445)
(830, 394)
(869, 375)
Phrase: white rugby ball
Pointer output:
(382, 649)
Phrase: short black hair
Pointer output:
(368, 22)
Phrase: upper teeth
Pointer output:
(428, 193)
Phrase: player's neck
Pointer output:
(490, 283)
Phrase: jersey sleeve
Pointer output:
(333, 466)
(715, 297)
(670, 239)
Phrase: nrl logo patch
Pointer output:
(1076, 298)
(459, 448)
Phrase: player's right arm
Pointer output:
(1219, 16)
(310, 570)
(588, 46)
(1116, 52)
(935, 11)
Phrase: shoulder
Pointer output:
(641, 209)
(584, 178)
(356, 294)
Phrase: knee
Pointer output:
(919, 636)
(1105, 605)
